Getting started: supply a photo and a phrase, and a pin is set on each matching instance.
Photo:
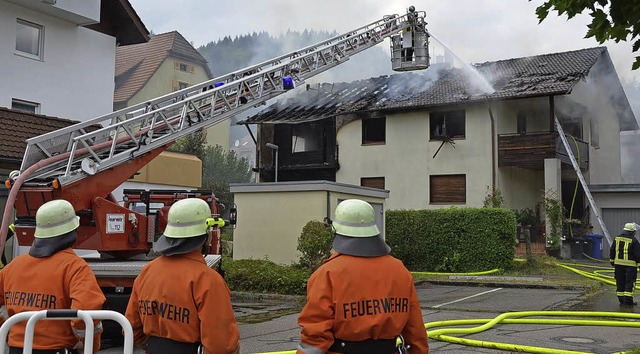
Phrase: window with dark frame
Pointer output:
(305, 138)
(447, 124)
(372, 182)
(447, 189)
(373, 130)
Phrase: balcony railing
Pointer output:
(529, 150)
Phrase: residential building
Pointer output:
(60, 56)
(452, 137)
(164, 64)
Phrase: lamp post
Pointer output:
(274, 147)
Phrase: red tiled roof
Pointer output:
(18, 126)
(136, 64)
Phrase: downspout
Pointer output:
(493, 147)
(256, 169)
(327, 219)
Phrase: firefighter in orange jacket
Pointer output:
(51, 276)
(361, 300)
(178, 304)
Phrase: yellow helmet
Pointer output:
(355, 218)
(187, 218)
(55, 218)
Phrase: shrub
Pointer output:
(452, 240)
(314, 244)
(264, 276)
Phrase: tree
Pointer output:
(193, 144)
(221, 167)
(618, 20)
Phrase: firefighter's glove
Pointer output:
(612, 264)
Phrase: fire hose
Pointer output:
(578, 318)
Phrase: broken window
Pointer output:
(372, 182)
(573, 128)
(447, 189)
(305, 139)
(522, 123)
(373, 130)
(449, 124)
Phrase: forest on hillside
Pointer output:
(226, 55)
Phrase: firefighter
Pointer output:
(178, 304)
(361, 300)
(624, 255)
(51, 276)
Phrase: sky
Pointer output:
(475, 30)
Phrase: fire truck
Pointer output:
(84, 163)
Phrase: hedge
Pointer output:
(453, 239)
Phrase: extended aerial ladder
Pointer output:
(85, 162)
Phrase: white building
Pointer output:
(59, 55)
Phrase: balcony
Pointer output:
(529, 150)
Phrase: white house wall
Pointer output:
(75, 79)
(407, 149)
(604, 161)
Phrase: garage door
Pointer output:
(615, 218)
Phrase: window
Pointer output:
(305, 138)
(372, 182)
(373, 130)
(595, 134)
(184, 67)
(179, 85)
(522, 123)
(450, 124)
(448, 189)
(25, 106)
(29, 39)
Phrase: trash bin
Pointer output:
(596, 245)
(577, 248)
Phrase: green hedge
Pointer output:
(263, 276)
(453, 239)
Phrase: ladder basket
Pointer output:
(87, 316)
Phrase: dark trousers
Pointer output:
(16, 350)
(369, 346)
(625, 283)
(159, 345)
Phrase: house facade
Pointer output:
(46, 46)
(167, 63)
(445, 138)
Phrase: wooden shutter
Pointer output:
(372, 182)
(448, 189)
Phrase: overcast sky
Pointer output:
(475, 30)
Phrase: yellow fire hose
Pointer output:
(593, 318)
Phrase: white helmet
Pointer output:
(55, 218)
(355, 218)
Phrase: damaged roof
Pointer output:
(541, 75)
(21, 126)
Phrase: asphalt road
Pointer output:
(451, 302)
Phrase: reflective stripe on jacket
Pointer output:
(625, 251)
(60, 281)
(360, 298)
(179, 297)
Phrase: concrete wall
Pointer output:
(271, 215)
(75, 78)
